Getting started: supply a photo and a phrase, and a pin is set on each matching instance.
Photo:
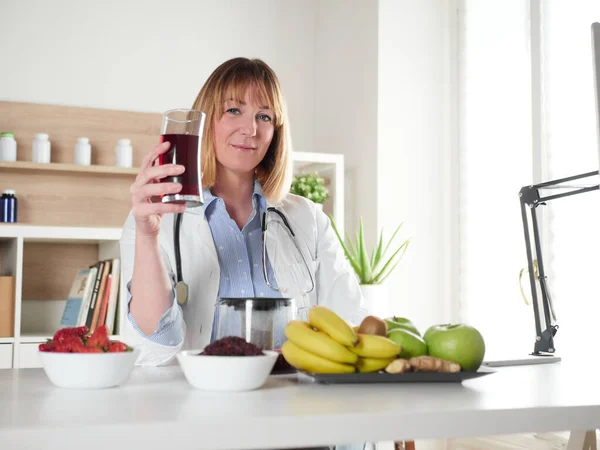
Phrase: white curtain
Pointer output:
(495, 161)
(570, 147)
(496, 111)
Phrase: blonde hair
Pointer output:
(230, 81)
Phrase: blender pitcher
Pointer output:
(260, 320)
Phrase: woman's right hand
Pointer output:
(148, 184)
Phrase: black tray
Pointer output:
(409, 377)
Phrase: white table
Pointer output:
(158, 409)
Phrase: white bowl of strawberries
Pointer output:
(77, 360)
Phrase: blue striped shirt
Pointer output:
(239, 251)
(240, 260)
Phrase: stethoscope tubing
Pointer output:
(181, 286)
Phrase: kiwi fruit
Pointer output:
(373, 325)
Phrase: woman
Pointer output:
(246, 165)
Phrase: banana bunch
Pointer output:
(375, 352)
(327, 344)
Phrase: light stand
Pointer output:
(531, 199)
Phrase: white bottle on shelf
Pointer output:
(83, 152)
(8, 147)
(40, 149)
(124, 153)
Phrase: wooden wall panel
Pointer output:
(50, 268)
(60, 193)
(64, 124)
(74, 199)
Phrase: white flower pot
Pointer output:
(375, 299)
(319, 206)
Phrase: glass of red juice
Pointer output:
(183, 128)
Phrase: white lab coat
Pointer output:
(336, 283)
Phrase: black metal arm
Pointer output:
(530, 197)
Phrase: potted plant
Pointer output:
(310, 186)
(372, 269)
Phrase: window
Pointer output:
(569, 147)
(500, 151)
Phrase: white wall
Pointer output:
(152, 55)
(345, 101)
(364, 78)
(412, 161)
(111, 54)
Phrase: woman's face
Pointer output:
(243, 133)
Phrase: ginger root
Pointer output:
(398, 366)
(433, 364)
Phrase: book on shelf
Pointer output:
(76, 298)
(92, 306)
(93, 271)
(114, 295)
(100, 298)
(93, 297)
(104, 305)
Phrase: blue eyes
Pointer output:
(262, 117)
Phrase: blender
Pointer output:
(259, 320)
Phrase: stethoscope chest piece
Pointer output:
(181, 287)
(181, 290)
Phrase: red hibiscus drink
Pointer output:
(183, 128)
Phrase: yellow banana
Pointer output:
(375, 346)
(303, 360)
(330, 323)
(317, 342)
(372, 364)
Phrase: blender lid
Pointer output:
(258, 303)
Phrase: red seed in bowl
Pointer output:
(232, 346)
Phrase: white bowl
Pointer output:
(88, 370)
(226, 373)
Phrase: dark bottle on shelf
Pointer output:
(8, 206)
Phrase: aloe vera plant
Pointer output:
(374, 268)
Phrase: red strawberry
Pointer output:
(64, 333)
(77, 346)
(99, 338)
(68, 345)
(47, 347)
(117, 347)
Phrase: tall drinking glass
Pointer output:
(183, 128)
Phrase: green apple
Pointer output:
(412, 344)
(459, 343)
(401, 322)
(434, 329)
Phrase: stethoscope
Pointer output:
(181, 287)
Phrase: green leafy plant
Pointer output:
(310, 186)
(373, 269)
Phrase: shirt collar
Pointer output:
(257, 194)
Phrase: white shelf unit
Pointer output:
(331, 167)
(37, 319)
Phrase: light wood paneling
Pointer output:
(62, 193)
(7, 306)
(64, 124)
(33, 168)
(50, 268)
(77, 200)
